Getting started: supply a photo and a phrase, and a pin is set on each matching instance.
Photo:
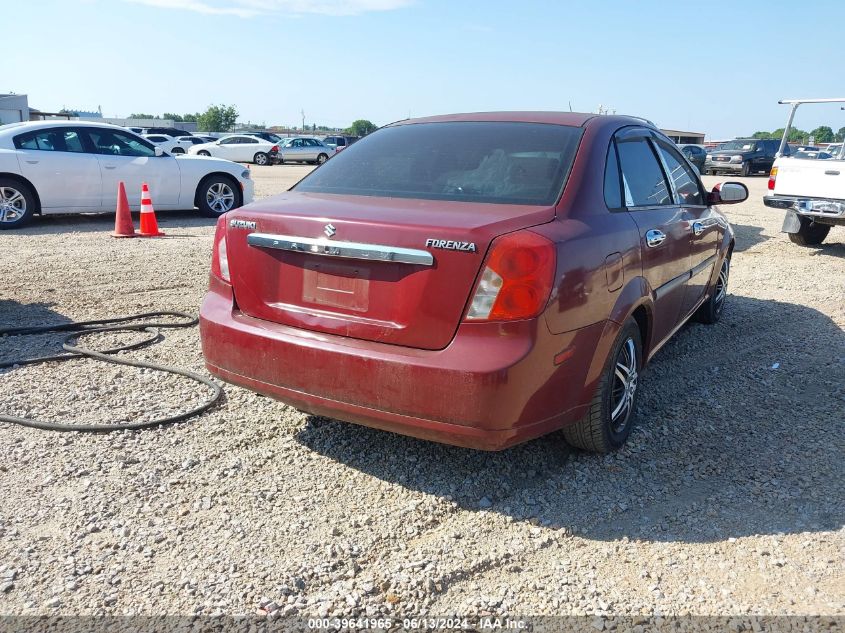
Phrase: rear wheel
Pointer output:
(17, 204)
(810, 234)
(177, 150)
(711, 310)
(322, 158)
(261, 159)
(216, 195)
(203, 152)
(609, 420)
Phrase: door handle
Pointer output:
(654, 238)
(828, 172)
(110, 166)
(697, 228)
(32, 162)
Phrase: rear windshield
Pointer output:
(506, 163)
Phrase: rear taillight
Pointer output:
(772, 177)
(219, 256)
(275, 148)
(516, 279)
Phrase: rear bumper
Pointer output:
(809, 207)
(494, 386)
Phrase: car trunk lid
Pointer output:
(392, 270)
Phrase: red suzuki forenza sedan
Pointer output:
(474, 279)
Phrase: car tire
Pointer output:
(322, 158)
(810, 234)
(217, 194)
(203, 152)
(711, 310)
(177, 150)
(261, 158)
(746, 169)
(17, 204)
(600, 431)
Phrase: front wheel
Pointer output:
(810, 234)
(17, 204)
(746, 169)
(322, 158)
(261, 159)
(216, 195)
(711, 310)
(609, 420)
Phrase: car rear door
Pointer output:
(228, 148)
(124, 157)
(249, 147)
(664, 239)
(704, 228)
(65, 174)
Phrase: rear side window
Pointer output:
(51, 140)
(642, 177)
(470, 161)
(612, 184)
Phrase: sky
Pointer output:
(717, 68)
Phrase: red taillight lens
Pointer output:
(516, 280)
(219, 256)
(275, 148)
(772, 177)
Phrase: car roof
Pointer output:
(18, 128)
(572, 119)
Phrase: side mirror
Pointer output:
(159, 151)
(728, 193)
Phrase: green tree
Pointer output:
(218, 119)
(761, 135)
(361, 127)
(176, 118)
(191, 118)
(840, 135)
(795, 135)
(822, 134)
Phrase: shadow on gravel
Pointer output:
(740, 433)
(747, 235)
(97, 222)
(14, 314)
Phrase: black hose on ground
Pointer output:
(133, 323)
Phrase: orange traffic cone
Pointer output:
(149, 226)
(123, 226)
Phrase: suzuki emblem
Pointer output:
(329, 230)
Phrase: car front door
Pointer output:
(249, 148)
(228, 148)
(296, 150)
(126, 158)
(56, 161)
(704, 226)
(664, 239)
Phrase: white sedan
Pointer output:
(75, 166)
(239, 147)
(168, 143)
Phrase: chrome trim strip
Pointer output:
(348, 250)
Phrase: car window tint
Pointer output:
(250, 140)
(685, 181)
(229, 141)
(612, 187)
(51, 140)
(465, 161)
(119, 144)
(642, 176)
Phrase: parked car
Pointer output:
(74, 166)
(267, 136)
(479, 297)
(694, 154)
(339, 142)
(743, 156)
(811, 192)
(170, 131)
(194, 140)
(241, 148)
(304, 149)
(168, 143)
(206, 139)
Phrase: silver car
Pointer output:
(304, 149)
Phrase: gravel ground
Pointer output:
(727, 499)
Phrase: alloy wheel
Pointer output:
(624, 386)
(220, 197)
(12, 204)
(721, 287)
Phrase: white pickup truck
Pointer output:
(811, 189)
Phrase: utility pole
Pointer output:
(303, 119)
